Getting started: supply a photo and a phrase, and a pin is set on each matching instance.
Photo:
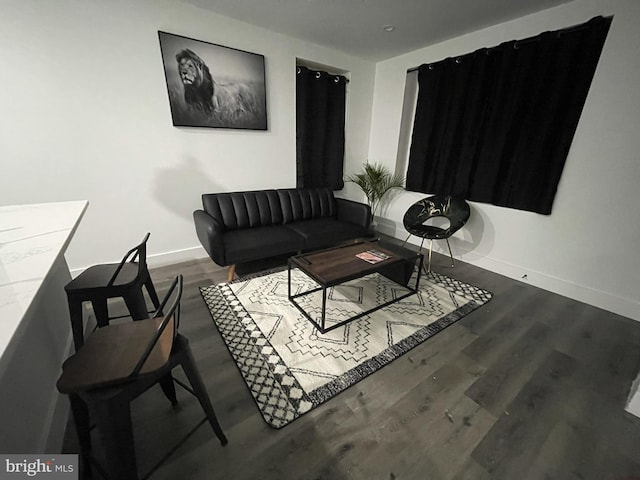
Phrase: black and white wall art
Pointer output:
(212, 85)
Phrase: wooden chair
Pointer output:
(117, 364)
(99, 283)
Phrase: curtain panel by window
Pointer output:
(496, 125)
(320, 121)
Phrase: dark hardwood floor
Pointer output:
(531, 386)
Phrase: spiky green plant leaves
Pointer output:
(375, 181)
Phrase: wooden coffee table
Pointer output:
(338, 265)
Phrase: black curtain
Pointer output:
(496, 125)
(320, 119)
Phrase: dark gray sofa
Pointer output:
(241, 227)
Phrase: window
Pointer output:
(496, 125)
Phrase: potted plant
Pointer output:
(375, 181)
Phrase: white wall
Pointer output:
(588, 248)
(85, 115)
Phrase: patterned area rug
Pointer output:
(291, 368)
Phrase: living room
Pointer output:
(87, 118)
(105, 135)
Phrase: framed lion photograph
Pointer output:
(212, 85)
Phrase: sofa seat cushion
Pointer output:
(248, 244)
(325, 232)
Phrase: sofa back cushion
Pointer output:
(258, 208)
(239, 210)
(306, 203)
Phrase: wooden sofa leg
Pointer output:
(232, 272)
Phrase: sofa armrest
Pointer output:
(210, 234)
(354, 212)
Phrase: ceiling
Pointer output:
(356, 27)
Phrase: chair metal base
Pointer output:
(428, 269)
(110, 409)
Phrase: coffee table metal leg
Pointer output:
(289, 278)
(324, 307)
(420, 266)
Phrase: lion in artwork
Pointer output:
(196, 80)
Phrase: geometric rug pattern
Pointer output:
(291, 368)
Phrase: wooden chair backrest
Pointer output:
(119, 353)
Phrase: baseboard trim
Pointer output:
(607, 301)
(622, 306)
(167, 258)
(176, 256)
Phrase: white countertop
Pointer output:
(32, 238)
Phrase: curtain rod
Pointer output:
(571, 29)
(322, 71)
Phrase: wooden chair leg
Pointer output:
(232, 272)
